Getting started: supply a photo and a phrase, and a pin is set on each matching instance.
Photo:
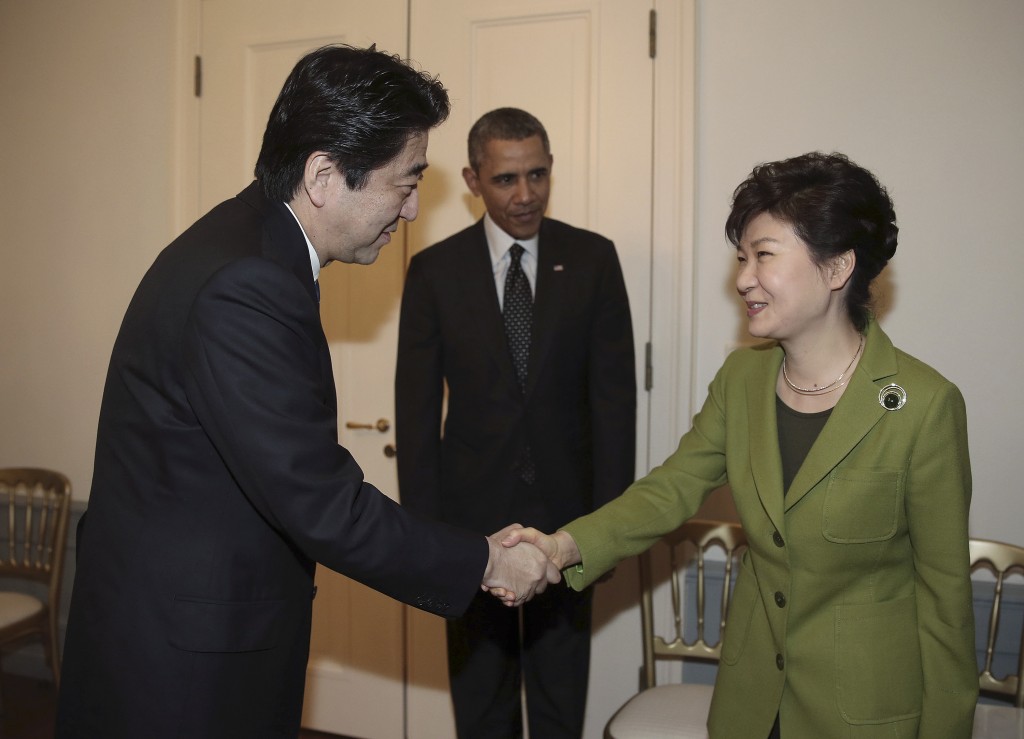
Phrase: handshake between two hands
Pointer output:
(524, 561)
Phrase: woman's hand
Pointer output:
(559, 547)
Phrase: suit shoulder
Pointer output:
(909, 364)
(747, 364)
(451, 246)
(574, 234)
(922, 380)
(888, 363)
(753, 358)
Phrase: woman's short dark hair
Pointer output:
(360, 106)
(504, 124)
(833, 205)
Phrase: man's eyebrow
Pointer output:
(417, 169)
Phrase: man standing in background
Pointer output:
(527, 321)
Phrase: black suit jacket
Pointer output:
(578, 414)
(218, 484)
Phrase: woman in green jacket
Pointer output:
(847, 459)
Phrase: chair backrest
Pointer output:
(34, 506)
(1000, 559)
(687, 547)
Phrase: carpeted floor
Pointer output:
(29, 704)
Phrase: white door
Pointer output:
(355, 675)
(583, 68)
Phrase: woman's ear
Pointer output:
(841, 269)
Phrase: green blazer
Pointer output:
(852, 614)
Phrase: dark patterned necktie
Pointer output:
(518, 314)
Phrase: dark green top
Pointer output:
(797, 432)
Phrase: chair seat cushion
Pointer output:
(998, 722)
(664, 712)
(15, 607)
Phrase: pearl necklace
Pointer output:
(832, 386)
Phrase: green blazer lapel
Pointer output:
(765, 458)
(855, 414)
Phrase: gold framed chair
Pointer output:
(34, 505)
(1002, 721)
(679, 710)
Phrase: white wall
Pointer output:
(929, 95)
(85, 202)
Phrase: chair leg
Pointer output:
(2, 702)
(52, 653)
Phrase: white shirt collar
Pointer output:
(498, 242)
(314, 260)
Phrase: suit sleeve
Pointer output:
(612, 383)
(419, 395)
(257, 383)
(938, 500)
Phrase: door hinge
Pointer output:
(197, 84)
(652, 34)
(648, 367)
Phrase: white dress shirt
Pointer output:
(499, 243)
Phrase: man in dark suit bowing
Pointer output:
(218, 480)
(526, 320)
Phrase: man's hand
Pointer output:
(559, 547)
(516, 574)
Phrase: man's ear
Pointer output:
(472, 180)
(317, 176)
(841, 269)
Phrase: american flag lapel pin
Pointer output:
(559, 268)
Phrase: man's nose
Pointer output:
(524, 192)
(411, 206)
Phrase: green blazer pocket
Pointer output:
(862, 506)
(878, 661)
(198, 625)
(741, 610)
